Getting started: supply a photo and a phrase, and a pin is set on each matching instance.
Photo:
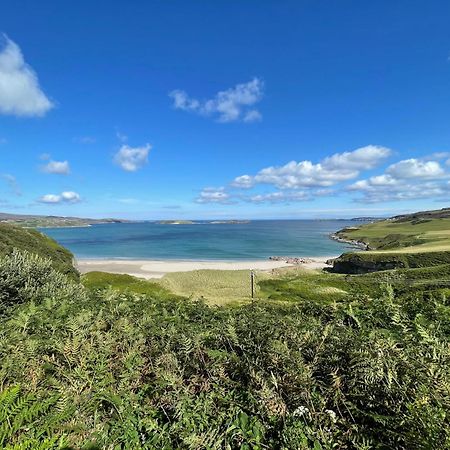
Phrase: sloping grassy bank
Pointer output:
(410, 241)
(363, 262)
(15, 237)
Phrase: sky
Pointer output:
(224, 109)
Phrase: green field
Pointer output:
(416, 236)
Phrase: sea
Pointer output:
(256, 240)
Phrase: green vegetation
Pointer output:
(215, 286)
(317, 361)
(124, 283)
(14, 237)
(409, 241)
(363, 262)
(403, 236)
(112, 368)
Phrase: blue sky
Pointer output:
(224, 109)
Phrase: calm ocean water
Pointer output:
(258, 239)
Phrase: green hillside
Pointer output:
(418, 233)
(410, 241)
(12, 236)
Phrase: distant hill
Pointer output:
(414, 240)
(13, 236)
(27, 220)
(443, 213)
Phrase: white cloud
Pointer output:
(414, 168)
(234, 104)
(436, 155)
(252, 116)
(447, 163)
(243, 182)
(364, 158)
(405, 191)
(280, 197)
(330, 171)
(406, 180)
(64, 197)
(214, 195)
(57, 167)
(12, 183)
(132, 158)
(20, 93)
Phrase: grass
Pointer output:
(294, 285)
(124, 283)
(214, 286)
(127, 368)
(221, 287)
(12, 236)
(414, 236)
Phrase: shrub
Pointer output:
(28, 277)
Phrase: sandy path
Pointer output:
(157, 269)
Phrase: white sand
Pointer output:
(157, 269)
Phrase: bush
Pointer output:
(25, 239)
(130, 371)
(28, 277)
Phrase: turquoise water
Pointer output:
(255, 240)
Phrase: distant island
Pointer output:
(37, 221)
(192, 222)
(175, 222)
(229, 221)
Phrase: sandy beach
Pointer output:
(157, 269)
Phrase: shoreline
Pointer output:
(150, 269)
(352, 242)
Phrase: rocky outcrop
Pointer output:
(291, 259)
(364, 262)
(353, 263)
(352, 242)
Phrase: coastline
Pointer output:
(352, 242)
(150, 269)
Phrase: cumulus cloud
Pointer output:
(404, 191)
(405, 180)
(12, 183)
(231, 105)
(243, 182)
(131, 159)
(214, 195)
(64, 197)
(20, 93)
(414, 168)
(280, 197)
(56, 167)
(330, 171)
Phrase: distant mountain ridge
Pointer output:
(29, 220)
(443, 213)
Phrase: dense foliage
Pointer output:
(106, 369)
(15, 237)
